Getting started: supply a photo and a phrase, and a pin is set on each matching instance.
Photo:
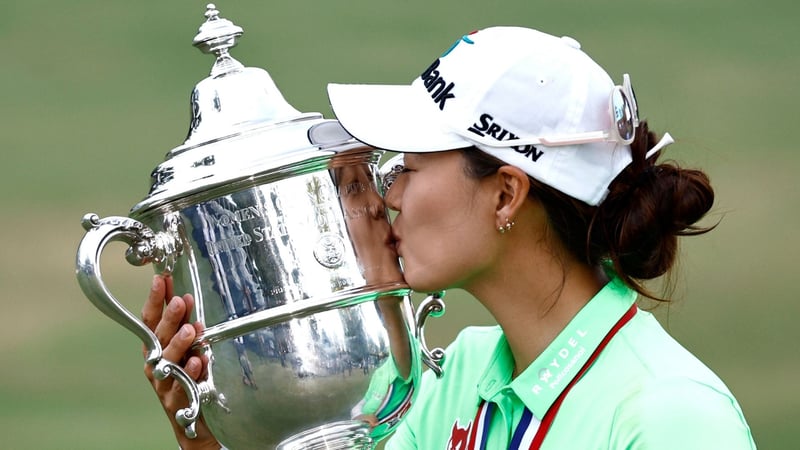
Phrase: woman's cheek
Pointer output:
(427, 274)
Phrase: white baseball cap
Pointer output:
(532, 100)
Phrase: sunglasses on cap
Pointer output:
(624, 113)
(394, 166)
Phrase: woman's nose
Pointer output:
(392, 198)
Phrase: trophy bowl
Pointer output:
(274, 221)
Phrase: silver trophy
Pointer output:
(274, 220)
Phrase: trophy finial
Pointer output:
(216, 35)
(233, 97)
(211, 12)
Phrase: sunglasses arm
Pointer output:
(555, 141)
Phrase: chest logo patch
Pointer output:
(459, 437)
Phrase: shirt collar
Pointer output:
(542, 382)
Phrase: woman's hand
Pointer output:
(175, 333)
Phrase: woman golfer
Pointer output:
(528, 181)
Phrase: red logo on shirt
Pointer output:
(459, 437)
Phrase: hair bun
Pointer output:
(664, 202)
(649, 206)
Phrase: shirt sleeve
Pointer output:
(682, 414)
(404, 437)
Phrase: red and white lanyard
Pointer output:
(530, 433)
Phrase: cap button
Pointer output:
(571, 42)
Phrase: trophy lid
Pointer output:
(240, 126)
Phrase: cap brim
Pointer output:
(390, 117)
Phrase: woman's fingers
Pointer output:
(188, 299)
(168, 317)
(171, 320)
(194, 367)
(151, 311)
(178, 347)
(169, 291)
(166, 321)
(175, 351)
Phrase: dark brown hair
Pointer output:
(636, 228)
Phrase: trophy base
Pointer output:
(345, 435)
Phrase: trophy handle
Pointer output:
(145, 247)
(433, 306)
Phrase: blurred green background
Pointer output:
(94, 93)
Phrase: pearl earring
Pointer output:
(507, 227)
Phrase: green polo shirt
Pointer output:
(644, 391)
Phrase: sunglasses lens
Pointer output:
(623, 116)
(630, 94)
(634, 107)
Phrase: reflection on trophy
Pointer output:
(274, 220)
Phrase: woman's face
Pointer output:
(445, 221)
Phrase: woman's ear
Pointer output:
(514, 186)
